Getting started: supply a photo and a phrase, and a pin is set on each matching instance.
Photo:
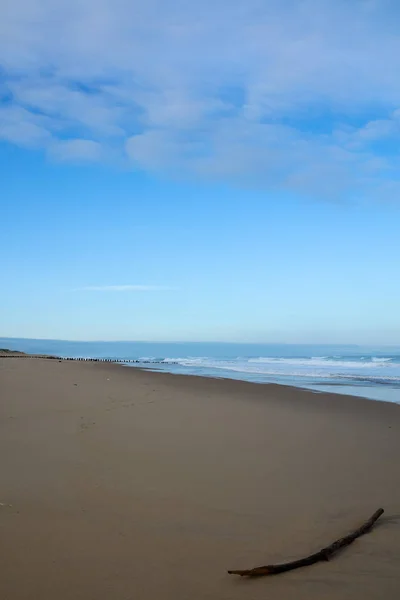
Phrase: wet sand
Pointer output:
(124, 484)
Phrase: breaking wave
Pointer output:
(368, 370)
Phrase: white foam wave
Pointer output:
(317, 368)
(377, 359)
(323, 362)
(188, 361)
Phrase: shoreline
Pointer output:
(280, 390)
(289, 386)
(136, 362)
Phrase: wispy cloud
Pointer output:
(126, 288)
(300, 95)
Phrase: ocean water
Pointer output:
(371, 372)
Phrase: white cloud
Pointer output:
(126, 288)
(80, 150)
(293, 94)
(20, 126)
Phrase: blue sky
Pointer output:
(200, 171)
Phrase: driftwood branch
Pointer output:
(324, 554)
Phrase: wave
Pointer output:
(315, 375)
(306, 374)
(380, 375)
(324, 362)
(199, 360)
(303, 368)
(377, 359)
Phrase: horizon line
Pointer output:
(119, 341)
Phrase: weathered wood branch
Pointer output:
(324, 554)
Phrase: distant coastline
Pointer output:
(369, 371)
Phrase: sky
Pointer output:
(206, 171)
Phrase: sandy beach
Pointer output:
(124, 484)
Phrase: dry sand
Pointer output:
(120, 484)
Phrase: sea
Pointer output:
(368, 371)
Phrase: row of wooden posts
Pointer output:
(107, 360)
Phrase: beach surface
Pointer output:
(121, 484)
